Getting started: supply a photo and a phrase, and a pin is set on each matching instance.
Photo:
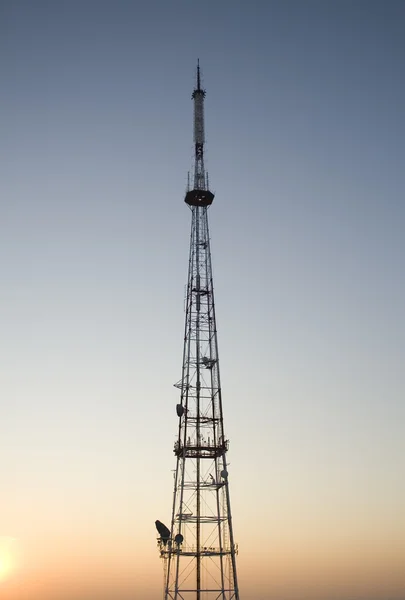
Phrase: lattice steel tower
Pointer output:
(199, 549)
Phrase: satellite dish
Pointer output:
(224, 474)
(178, 539)
(179, 410)
(163, 531)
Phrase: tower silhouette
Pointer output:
(199, 550)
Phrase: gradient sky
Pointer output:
(305, 127)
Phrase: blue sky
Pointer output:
(305, 137)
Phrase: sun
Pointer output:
(8, 557)
(5, 567)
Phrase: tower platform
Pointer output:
(199, 198)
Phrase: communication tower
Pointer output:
(199, 551)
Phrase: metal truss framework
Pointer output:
(199, 552)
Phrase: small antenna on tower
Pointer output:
(198, 75)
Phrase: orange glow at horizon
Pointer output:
(291, 569)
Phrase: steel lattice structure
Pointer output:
(199, 550)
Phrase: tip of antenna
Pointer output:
(198, 75)
(198, 90)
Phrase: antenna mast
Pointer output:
(200, 194)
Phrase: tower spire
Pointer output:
(199, 195)
(198, 75)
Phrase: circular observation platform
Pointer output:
(194, 450)
(199, 198)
